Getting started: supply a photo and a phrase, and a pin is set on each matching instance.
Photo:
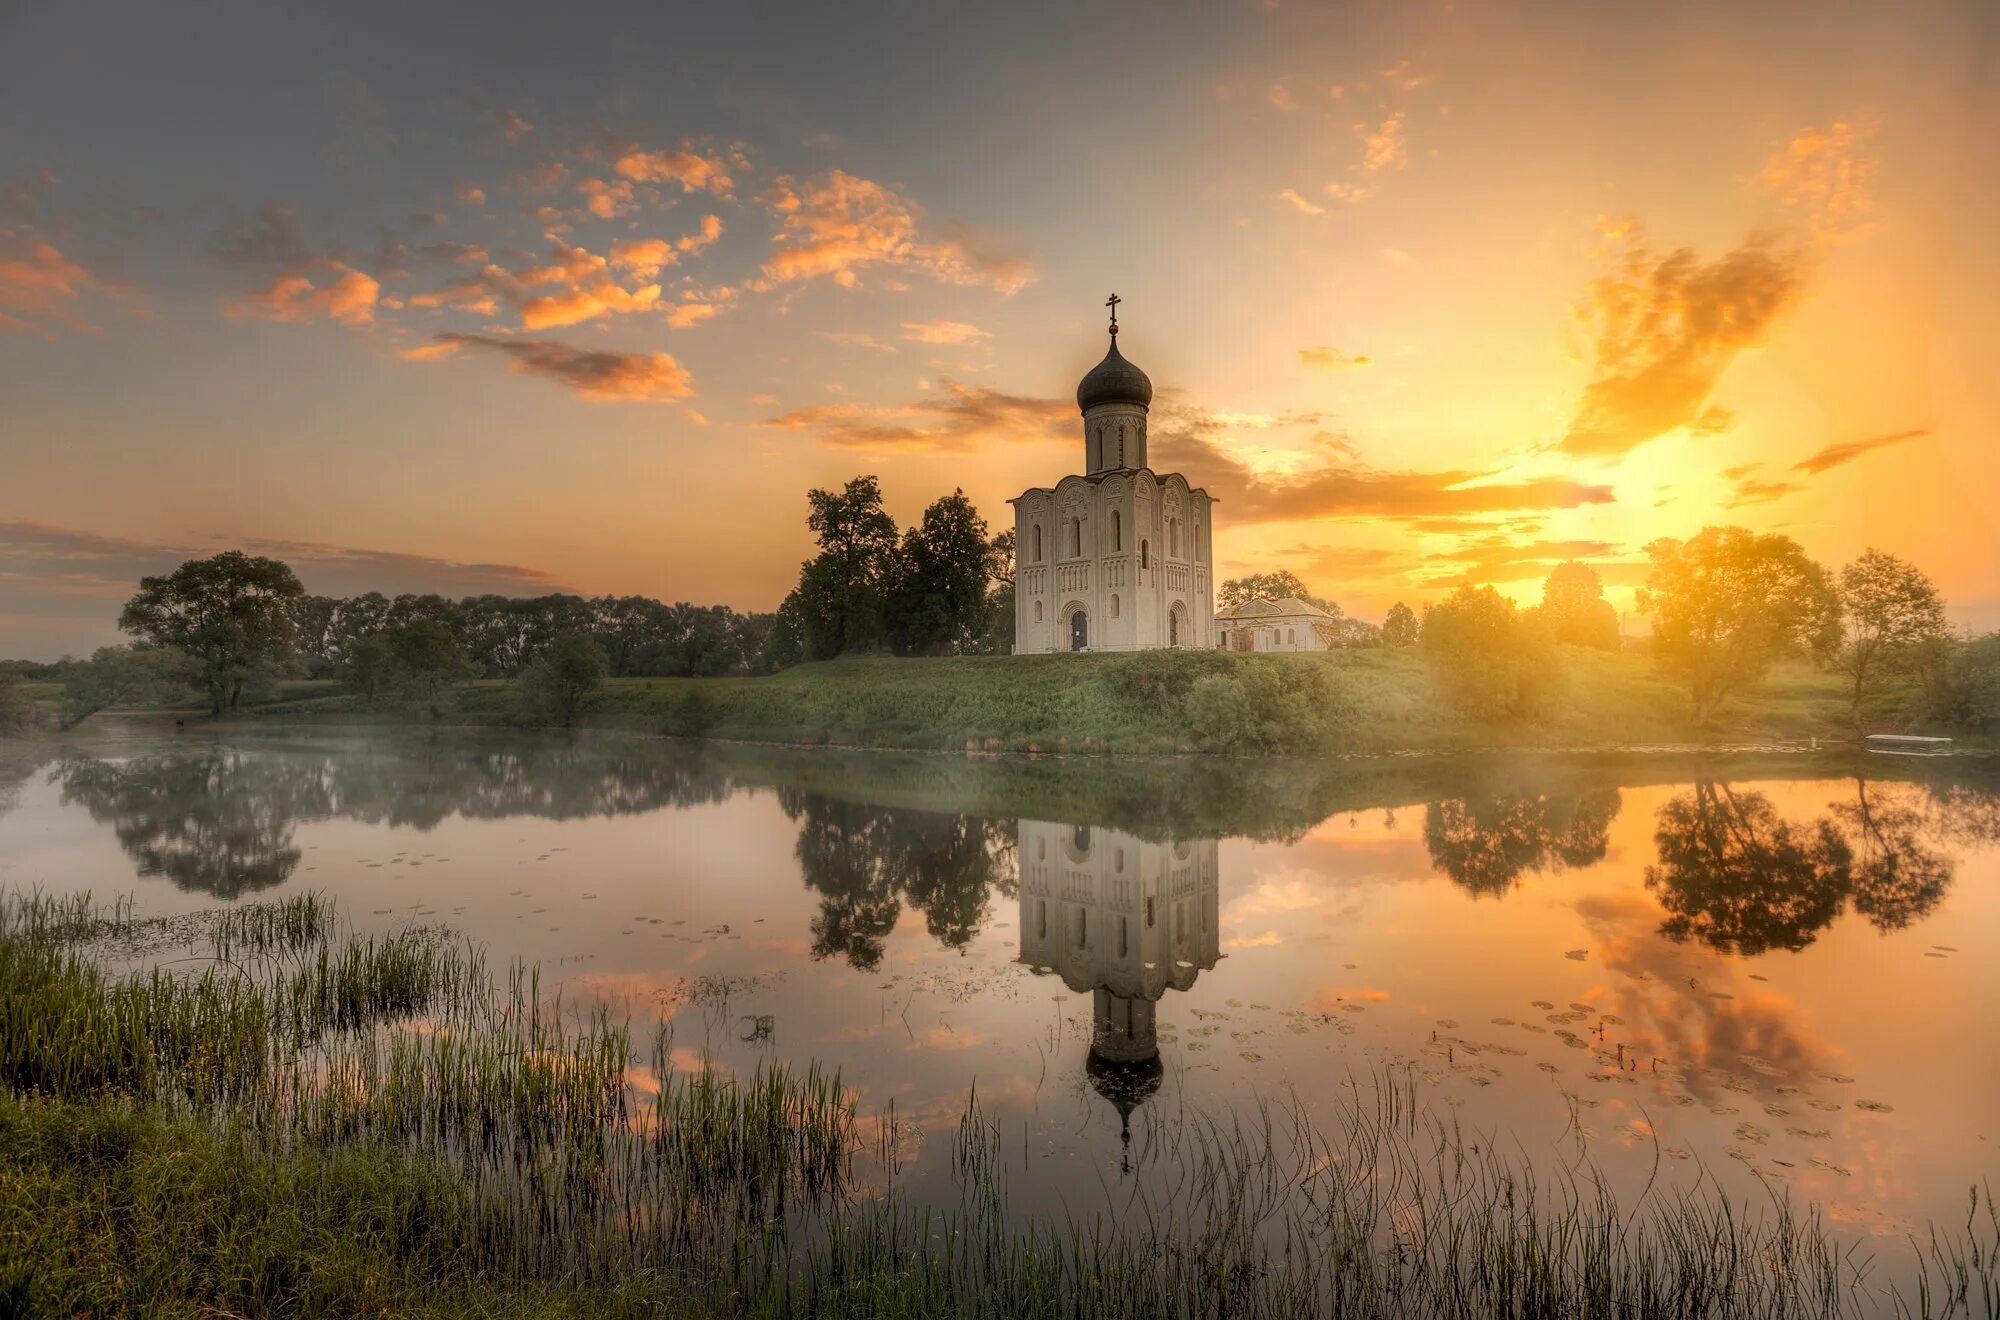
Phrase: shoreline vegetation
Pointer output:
(258, 1111)
(1379, 701)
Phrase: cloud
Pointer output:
(516, 128)
(586, 303)
(61, 587)
(1384, 147)
(1330, 359)
(836, 224)
(942, 332)
(693, 171)
(1348, 192)
(40, 288)
(1749, 490)
(855, 339)
(961, 417)
(1304, 207)
(541, 179)
(1848, 450)
(645, 257)
(604, 200)
(1667, 327)
(469, 193)
(686, 315)
(322, 289)
(596, 374)
(1823, 176)
(457, 254)
(1192, 440)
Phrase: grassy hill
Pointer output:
(1352, 701)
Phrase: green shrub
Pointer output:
(1161, 680)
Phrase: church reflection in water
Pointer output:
(1123, 920)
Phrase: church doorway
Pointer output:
(1079, 629)
(1177, 625)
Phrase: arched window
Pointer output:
(1117, 531)
(1114, 607)
(1291, 637)
(1038, 543)
(1038, 611)
(1076, 538)
(1174, 538)
(1145, 554)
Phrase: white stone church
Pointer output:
(1118, 558)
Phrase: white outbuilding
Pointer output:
(1289, 624)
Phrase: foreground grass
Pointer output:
(438, 1145)
(1368, 701)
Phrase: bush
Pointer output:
(1161, 680)
(1488, 658)
(1268, 707)
(692, 714)
(555, 688)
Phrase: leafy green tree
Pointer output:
(1488, 656)
(1735, 875)
(425, 663)
(367, 667)
(1275, 585)
(785, 643)
(1889, 609)
(1485, 844)
(558, 684)
(231, 612)
(1400, 627)
(1574, 610)
(840, 590)
(124, 676)
(17, 708)
(1728, 603)
(934, 598)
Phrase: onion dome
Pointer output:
(1113, 380)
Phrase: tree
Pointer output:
(1889, 609)
(1737, 876)
(1400, 627)
(840, 591)
(1485, 844)
(1728, 603)
(556, 685)
(426, 662)
(123, 676)
(1275, 585)
(1574, 610)
(231, 612)
(368, 665)
(934, 597)
(17, 708)
(1489, 657)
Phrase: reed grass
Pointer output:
(296, 1119)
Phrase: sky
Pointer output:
(587, 297)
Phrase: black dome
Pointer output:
(1113, 380)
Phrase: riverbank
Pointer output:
(1368, 701)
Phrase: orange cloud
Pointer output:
(1667, 327)
(39, 285)
(1384, 147)
(334, 291)
(1330, 359)
(469, 193)
(646, 256)
(1824, 176)
(963, 417)
(515, 127)
(690, 169)
(1303, 206)
(596, 374)
(539, 180)
(1847, 451)
(837, 223)
(586, 303)
(942, 332)
(604, 200)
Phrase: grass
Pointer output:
(449, 1145)
(1364, 701)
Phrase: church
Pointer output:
(1119, 557)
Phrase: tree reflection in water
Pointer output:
(221, 820)
(1487, 844)
(1736, 875)
(866, 862)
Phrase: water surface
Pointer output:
(1775, 974)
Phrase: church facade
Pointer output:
(1118, 557)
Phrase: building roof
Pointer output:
(1113, 380)
(1257, 607)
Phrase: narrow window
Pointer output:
(1114, 607)
(1038, 543)
(1124, 938)
(1038, 611)
(1145, 554)
(1149, 913)
(1042, 915)
(1082, 927)
(1117, 531)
